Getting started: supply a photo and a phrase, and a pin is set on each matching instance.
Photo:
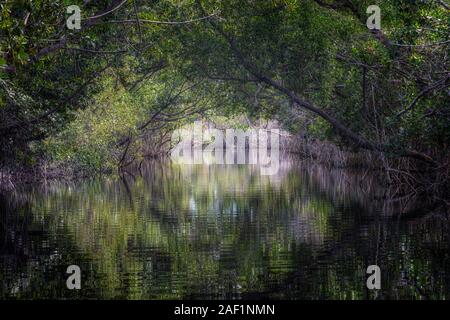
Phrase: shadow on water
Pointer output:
(170, 232)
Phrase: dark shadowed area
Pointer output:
(213, 232)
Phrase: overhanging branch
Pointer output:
(341, 129)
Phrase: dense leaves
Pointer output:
(312, 65)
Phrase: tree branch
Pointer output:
(340, 128)
(423, 93)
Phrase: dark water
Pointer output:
(221, 232)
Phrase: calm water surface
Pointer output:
(214, 232)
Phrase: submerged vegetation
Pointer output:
(110, 94)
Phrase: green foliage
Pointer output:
(316, 49)
(320, 129)
(90, 141)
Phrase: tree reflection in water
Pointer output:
(169, 232)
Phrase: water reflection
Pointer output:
(169, 232)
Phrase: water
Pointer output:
(215, 232)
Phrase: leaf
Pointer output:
(22, 56)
